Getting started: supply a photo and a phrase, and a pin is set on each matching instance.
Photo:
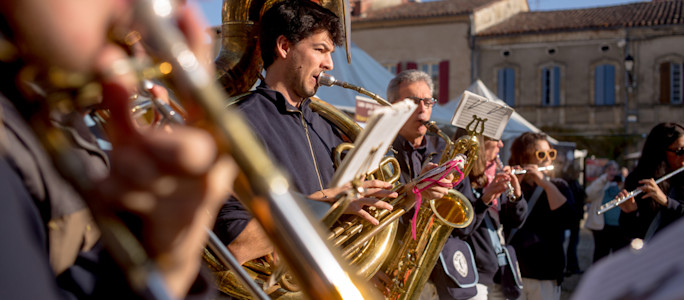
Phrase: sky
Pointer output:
(212, 8)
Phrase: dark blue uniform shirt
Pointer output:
(299, 140)
(411, 160)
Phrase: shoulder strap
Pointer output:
(234, 100)
(530, 206)
(654, 225)
(496, 242)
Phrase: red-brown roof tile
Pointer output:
(628, 15)
(414, 10)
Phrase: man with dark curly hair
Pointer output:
(297, 39)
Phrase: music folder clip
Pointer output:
(373, 142)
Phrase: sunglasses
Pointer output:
(678, 152)
(428, 102)
(541, 155)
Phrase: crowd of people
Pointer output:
(131, 222)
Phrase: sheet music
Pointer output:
(373, 142)
(497, 115)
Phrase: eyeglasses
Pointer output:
(678, 152)
(541, 155)
(428, 102)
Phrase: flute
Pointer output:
(615, 202)
(540, 169)
(510, 192)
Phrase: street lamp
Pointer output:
(629, 66)
(629, 82)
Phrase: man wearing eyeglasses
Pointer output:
(414, 149)
(418, 152)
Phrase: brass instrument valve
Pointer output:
(411, 255)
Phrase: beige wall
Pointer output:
(428, 43)
(650, 48)
(576, 59)
(577, 53)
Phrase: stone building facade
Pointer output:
(607, 71)
(436, 37)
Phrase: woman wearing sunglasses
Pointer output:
(659, 204)
(539, 242)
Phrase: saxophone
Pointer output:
(410, 265)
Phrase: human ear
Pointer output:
(282, 46)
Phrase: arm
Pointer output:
(595, 189)
(674, 206)
(566, 213)
(512, 214)
(555, 197)
(251, 243)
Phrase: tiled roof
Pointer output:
(414, 10)
(628, 15)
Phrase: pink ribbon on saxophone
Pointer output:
(416, 191)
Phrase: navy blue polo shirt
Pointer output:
(299, 140)
(411, 160)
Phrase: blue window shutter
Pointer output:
(675, 83)
(510, 86)
(556, 86)
(545, 87)
(609, 85)
(500, 85)
(599, 85)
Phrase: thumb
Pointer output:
(121, 128)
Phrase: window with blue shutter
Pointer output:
(676, 83)
(506, 85)
(671, 83)
(550, 86)
(604, 85)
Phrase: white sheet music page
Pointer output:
(373, 142)
(497, 115)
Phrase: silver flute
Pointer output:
(540, 169)
(617, 201)
(510, 192)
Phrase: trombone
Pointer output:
(617, 201)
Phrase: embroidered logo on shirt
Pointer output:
(460, 263)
